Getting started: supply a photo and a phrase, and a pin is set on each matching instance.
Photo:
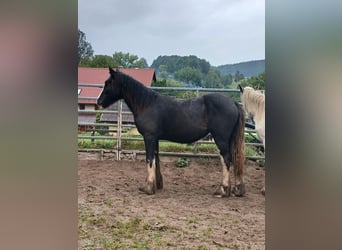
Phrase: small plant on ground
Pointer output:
(182, 162)
(261, 162)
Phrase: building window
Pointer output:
(82, 106)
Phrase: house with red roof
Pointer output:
(89, 90)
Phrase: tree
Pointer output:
(227, 80)
(129, 61)
(173, 83)
(167, 83)
(85, 50)
(102, 61)
(213, 80)
(117, 60)
(189, 75)
(238, 76)
(142, 63)
(175, 63)
(163, 71)
(255, 82)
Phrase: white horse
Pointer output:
(253, 102)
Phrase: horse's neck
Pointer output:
(135, 95)
(252, 110)
(253, 104)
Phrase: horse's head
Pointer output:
(111, 91)
(253, 101)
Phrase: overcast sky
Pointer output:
(219, 31)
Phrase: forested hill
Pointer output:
(171, 64)
(248, 69)
(193, 71)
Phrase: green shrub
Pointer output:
(182, 162)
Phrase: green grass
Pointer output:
(105, 144)
(139, 145)
(207, 232)
(104, 229)
(164, 146)
(101, 231)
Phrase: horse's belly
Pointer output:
(184, 136)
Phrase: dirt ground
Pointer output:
(113, 214)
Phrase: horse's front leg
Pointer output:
(151, 179)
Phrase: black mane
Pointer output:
(142, 95)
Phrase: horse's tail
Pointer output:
(237, 143)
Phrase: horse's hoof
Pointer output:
(239, 190)
(222, 191)
(149, 189)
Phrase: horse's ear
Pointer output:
(111, 71)
(241, 88)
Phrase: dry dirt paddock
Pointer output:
(113, 214)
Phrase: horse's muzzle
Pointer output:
(99, 102)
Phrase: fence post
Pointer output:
(119, 130)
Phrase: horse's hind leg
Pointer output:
(224, 189)
(159, 177)
(239, 187)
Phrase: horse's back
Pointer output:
(220, 104)
(223, 114)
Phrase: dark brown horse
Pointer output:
(161, 117)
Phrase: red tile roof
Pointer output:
(100, 75)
